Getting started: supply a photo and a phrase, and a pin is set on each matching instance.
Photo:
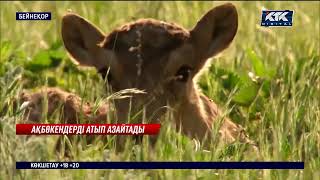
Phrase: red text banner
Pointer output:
(87, 129)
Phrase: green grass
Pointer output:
(280, 110)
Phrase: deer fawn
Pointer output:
(162, 59)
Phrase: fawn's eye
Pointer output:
(104, 72)
(183, 73)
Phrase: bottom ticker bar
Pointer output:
(159, 165)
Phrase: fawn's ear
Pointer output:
(82, 39)
(214, 31)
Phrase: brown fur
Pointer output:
(74, 110)
(162, 59)
(157, 37)
(71, 105)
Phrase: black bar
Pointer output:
(159, 165)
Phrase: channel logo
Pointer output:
(276, 18)
(33, 15)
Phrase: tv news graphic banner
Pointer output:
(160, 165)
(87, 129)
(33, 16)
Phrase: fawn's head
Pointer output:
(157, 57)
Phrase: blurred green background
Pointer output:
(279, 104)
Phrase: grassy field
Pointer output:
(280, 109)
